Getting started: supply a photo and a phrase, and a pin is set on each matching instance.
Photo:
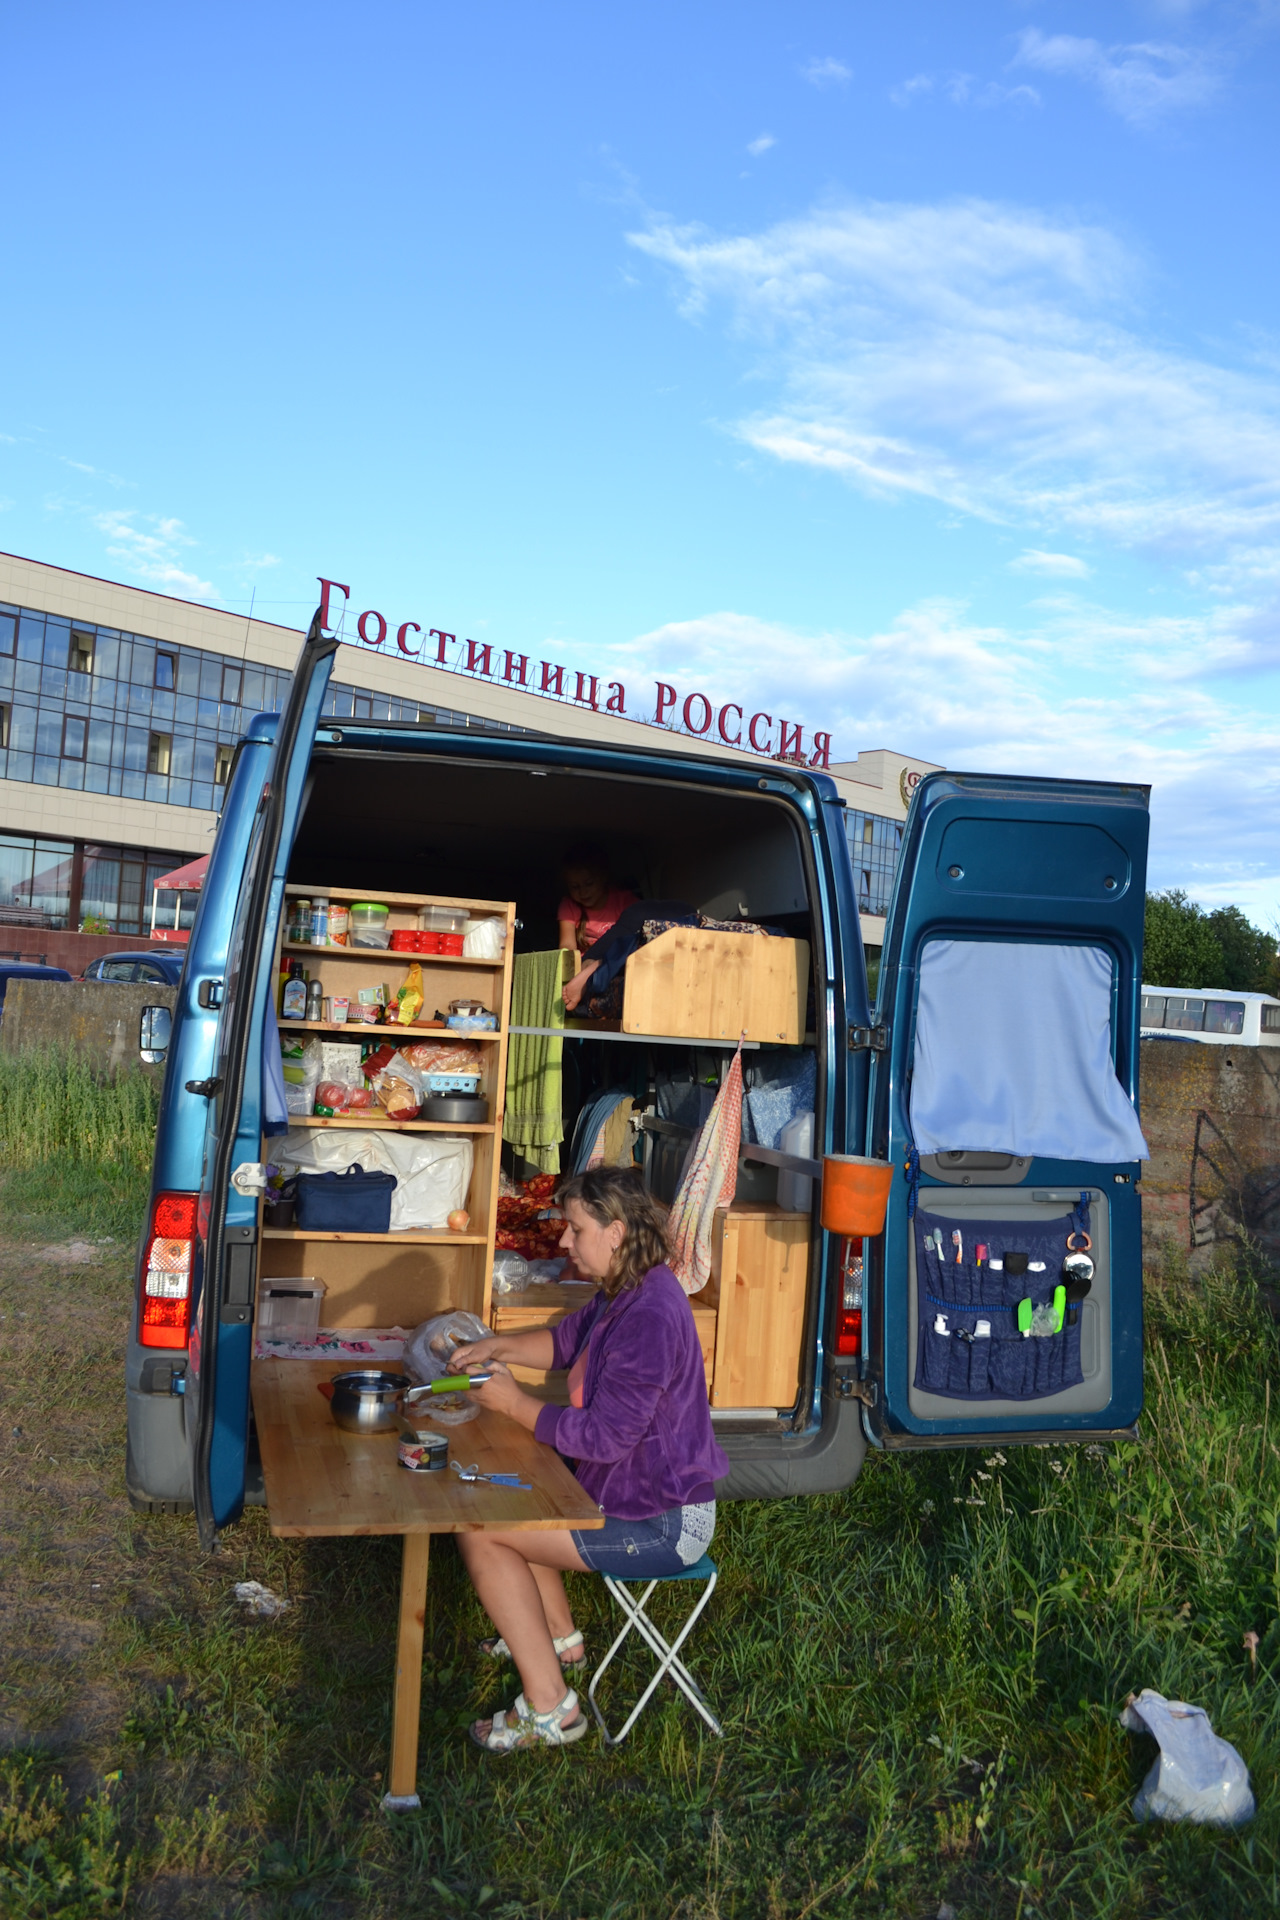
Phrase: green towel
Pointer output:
(534, 1119)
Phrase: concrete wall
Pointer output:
(97, 1018)
(1211, 1115)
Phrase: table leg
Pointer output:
(406, 1701)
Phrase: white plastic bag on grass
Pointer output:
(1198, 1776)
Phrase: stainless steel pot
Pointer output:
(366, 1400)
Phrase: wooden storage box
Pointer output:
(758, 1287)
(699, 985)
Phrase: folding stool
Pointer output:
(667, 1654)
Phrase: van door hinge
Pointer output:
(209, 994)
(250, 1177)
(868, 1039)
(205, 1088)
(847, 1387)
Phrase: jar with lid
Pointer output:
(339, 924)
(300, 923)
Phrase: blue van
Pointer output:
(998, 1073)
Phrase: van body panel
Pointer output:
(1038, 854)
(1013, 861)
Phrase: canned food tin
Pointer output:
(424, 1452)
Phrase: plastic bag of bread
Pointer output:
(443, 1056)
(399, 1088)
(428, 1355)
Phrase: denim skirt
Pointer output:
(648, 1549)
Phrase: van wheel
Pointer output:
(142, 1502)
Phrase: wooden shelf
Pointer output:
(372, 1122)
(414, 1236)
(358, 1029)
(481, 909)
(385, 955)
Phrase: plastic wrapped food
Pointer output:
(443, 1056)
(333, 1097)
(399, 1089)
(428, 1355)
(510, 1271)
(409, 996)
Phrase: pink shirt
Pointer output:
(598, 919)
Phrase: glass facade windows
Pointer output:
(35, 880)
(874, 846)
(126, 695)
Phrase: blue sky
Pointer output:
(914, 370)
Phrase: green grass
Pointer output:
(920, 1680)
(77, 1143)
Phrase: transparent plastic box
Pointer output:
(290, 1309)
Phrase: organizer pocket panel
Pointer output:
(959, 1288)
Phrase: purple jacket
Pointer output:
(641, 1439)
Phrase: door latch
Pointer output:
(847, 1387)
(209, 994)
(868, 1039)
(250, 1177)
(205, 1088)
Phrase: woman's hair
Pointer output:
(618, 1193)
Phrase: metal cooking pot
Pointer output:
(366, 1400)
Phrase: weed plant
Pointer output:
(920, 1680)
(76, 1141)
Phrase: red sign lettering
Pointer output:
(688, 717)
(326, 588)
(698, 717)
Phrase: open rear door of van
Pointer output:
(1004, 1299)
(222, 1327)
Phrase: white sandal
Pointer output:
(524, 1728)
(499, 1650)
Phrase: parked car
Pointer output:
(27, 970)
(1001, 1303)
(162, 969)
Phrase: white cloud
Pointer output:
(936, 684)
(761, 144)
(1062, 566)
(151, 551)
(963, 90)
(989, 357)
(251, 565)
(826, 73)
(1142, 82)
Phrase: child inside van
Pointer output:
(590, 907)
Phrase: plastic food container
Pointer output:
(429, 942)
(290, 1309)
(404, 940)
(442, 919)
(452, 1082)
(452, 943)
(369, 913)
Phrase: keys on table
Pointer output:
(493, 1479)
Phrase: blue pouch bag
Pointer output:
(356, 1201)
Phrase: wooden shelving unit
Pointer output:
(401, 1278)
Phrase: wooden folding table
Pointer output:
(322, 1481)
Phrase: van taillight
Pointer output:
(166, 1271)
(849, 1317)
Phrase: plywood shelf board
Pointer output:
(696, 981)
(385, 955)
(409, 1236)
(368, 1122)
(358, 1029)
(484, 909)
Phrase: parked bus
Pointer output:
(1215, 1015)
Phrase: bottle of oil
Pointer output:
(294, 1003)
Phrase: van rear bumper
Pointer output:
(769, 1466)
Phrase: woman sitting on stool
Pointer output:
(637, 1430)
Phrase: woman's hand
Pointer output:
(504, 1395)
(478, 1354)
